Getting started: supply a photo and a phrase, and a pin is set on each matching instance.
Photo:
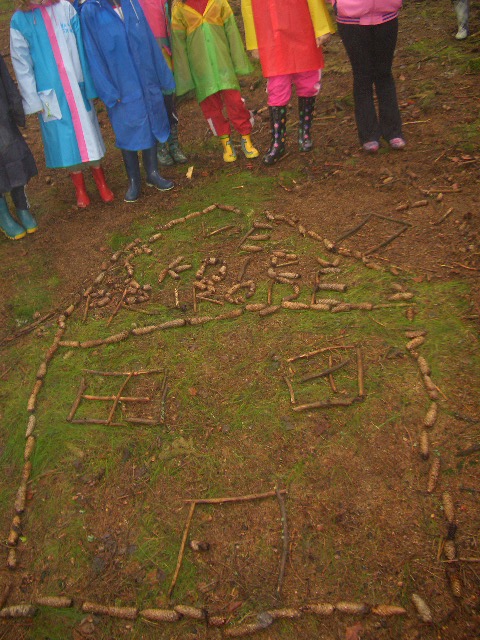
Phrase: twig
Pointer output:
(115, 311)
(195, 304)
(121, 399)
(270, 291)
(285, 538)
(330, 376)
(444, 217)
(87, 305)
(214, 233)
(326, 372)
(117, 398)
(360, 373)
(78, 399)
(164, 390)
(330, 404)
(290, 389)
(252, 496)
(123, 373)
(243, 270)
(182, 548)
(93, 421)
(310, 354)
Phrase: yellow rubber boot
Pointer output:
(229, 154)
(248, 148)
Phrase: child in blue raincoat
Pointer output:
(131, 76)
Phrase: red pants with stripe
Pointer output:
(238, 114)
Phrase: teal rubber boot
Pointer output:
(163, 155)
(175, 150)
(8, 225)
(27, 221)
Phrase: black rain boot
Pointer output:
(306, 108)
(174, 146)
(132, 167)
(278, 122)
(150, 164)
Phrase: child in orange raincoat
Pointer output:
(286, 35)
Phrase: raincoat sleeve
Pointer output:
(321, 18)
(183, 74)
(106, 88)
(240, 61)
(90, 90)
(164, 74)
(23, 67)
(13, 97)
(249, 24)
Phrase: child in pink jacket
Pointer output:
(369, 29)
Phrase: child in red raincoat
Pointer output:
(286, 35)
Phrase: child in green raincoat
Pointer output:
(209, 54)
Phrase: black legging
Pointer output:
(370, 50)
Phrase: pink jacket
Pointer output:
(366, 12)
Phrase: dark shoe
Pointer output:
(278, 122)
(154, 179)
(8, 225)
(27, 221)
(306, 108)
(163, 155)
(174, 146)
(99, 177)
(80, 189)
(132, 167)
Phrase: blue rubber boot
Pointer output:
(154, 179)
(132, 167)
(8, 226)
(27, 221)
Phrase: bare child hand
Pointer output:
(255, 54)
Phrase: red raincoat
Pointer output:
(285, 34)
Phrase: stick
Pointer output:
(252, 496)
(78, 399)
(270, 292)
(87, 305)
(195, 304)
(243, 270)
(5, 594)
(330, 404)
(182, 548)
(164, 390)
(115, 311)
(290, 389)
(387, 241)
(317, 351)
(249, 233)
(285, 537)
(122, 399)
(326, 372)
(123, 373)
(117, 398)
(360, 372)
(330, 377)
(92, 421)
(214, 233)
(211, 300)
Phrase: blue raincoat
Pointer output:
(129, 72)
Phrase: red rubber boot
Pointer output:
(82, 196)
(99, 177)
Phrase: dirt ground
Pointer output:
(432, 188)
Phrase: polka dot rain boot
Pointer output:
(278, 122)
(306, 107)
